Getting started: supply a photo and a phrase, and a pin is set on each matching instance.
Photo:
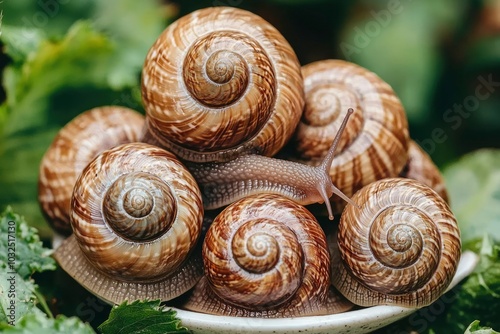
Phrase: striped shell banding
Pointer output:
(73, 148)
(400, 247)
(420, 167)
(221, 82)
(224, 91)
(376, 141)
(136, 214)
(265, 256)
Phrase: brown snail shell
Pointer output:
(376, 142)
(400, 247)
(420, 167)
(221, 82)
(136, 214)
(73, 148)
(264, 256)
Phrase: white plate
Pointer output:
(353, 322)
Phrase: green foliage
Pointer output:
(146, 317)
(58, 70)
(21, 255)
(38, 323)
(473, 184)
(474, 328)
(24, 242)
(69, 56)
(414, 69)
(479, 295)
(18, 297)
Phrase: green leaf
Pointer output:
(146, 317)
(39, 324)
(35, 110)
(80, 58)
(21, 255)
(116, 19)
(58, 72)
(473, 184)
(53, 17)
(479, 296)
(20, 42)
(20, 247)
(17, 297)
(476, 329)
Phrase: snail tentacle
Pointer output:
(225, 182)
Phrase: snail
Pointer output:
(136, 214)
(376, 141)
(221, 82)
(265, 256)
(224, 91)
(73, 148)
(224, 182)
(421, 168)
(400, 247)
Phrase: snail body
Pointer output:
(75, 145)
(375, 144)
(221, 82)
(400, 247)
(223, 183)
(136, 217)
(266, 256)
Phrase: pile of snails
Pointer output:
(190, 200)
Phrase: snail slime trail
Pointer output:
(222, 183)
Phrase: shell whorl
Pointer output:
(73, 148)
(376, 138)
(145, 177)
(139, 206)
(401, 247)
(220, 82)
(264, 256)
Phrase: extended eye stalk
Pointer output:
(326, 165)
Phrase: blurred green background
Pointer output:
(62, 57)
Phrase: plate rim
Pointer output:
(359, 317)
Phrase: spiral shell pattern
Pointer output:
(420, 167)
(401, 247)
(265, 256)
(74, 147)
(152, 220)
(220, 82)
(375, 142)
